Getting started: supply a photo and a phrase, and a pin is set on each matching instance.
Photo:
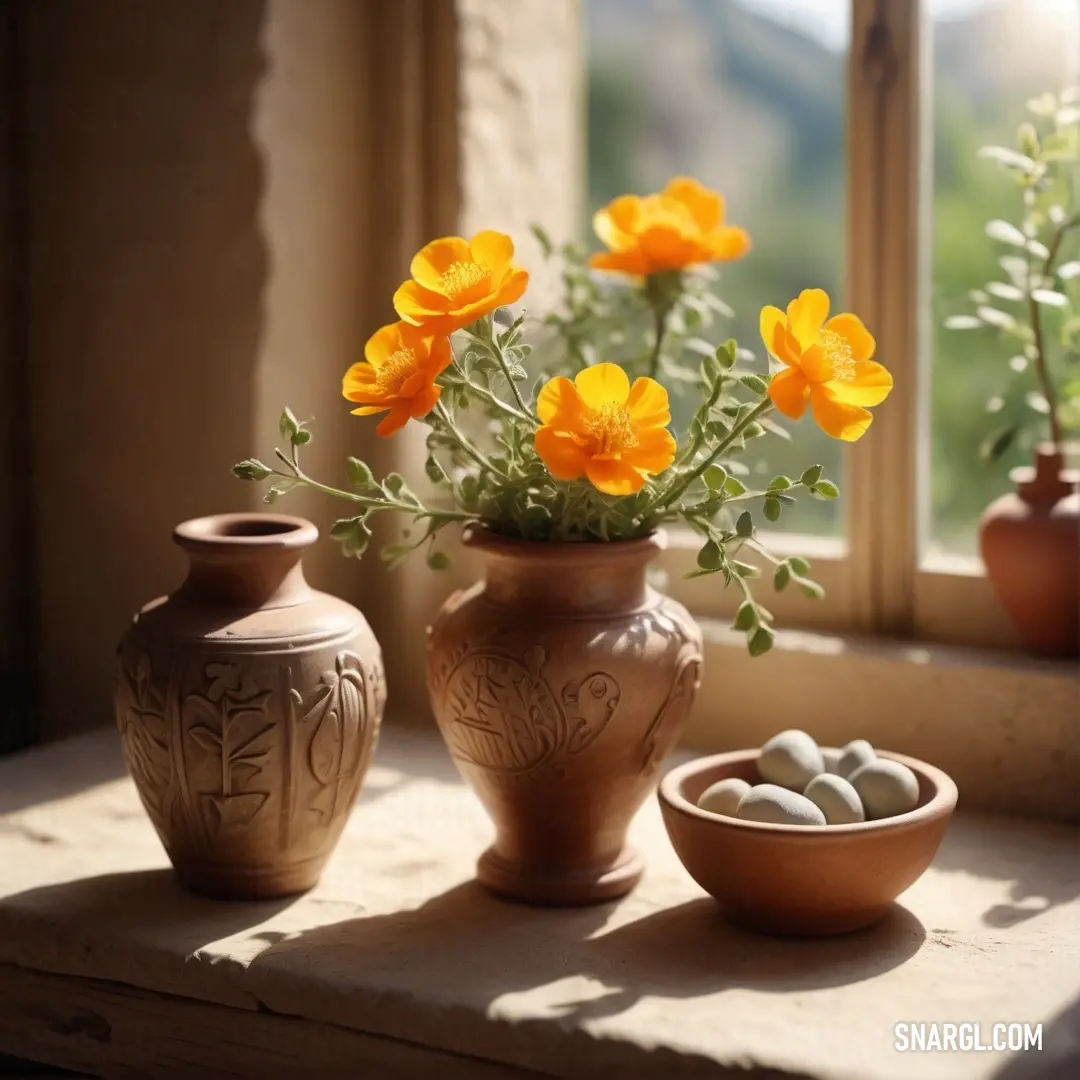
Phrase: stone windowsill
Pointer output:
(398, 963)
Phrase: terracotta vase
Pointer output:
(248, 707)
(559, 683)
(1030, 542)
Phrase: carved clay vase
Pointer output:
(248, 707)
(559, 683)
(1030, 543)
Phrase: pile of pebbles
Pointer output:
(804, 784)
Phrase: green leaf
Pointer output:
(1009, 159)
(812, 475)
(1005, 291)
(1050, 298)
(715, 477)
(288, 425)
(811, 589)
(359, 474)
(781, 577)
(438, 560)
(710, 557)
(745, 570)
(435, 472)
(761, 642)
(772, 509)
(744, 526)
(826, 489)
(726, 354)
(996, 317)
(1037, 403)
(1005, 233)
(779, 483)
(1067, 271)
(542, 238)
(251, 469)
(997, 443)
(746, 617)
(754, 383)
(753, 430)
(733, 487)
(962, 322)
(799, 565)
(1061, 145)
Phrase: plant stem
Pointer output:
(491, 342)
(665, 499)
(464, 442)
(661, 311)
(491, 398)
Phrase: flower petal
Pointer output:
(422, 402)
(613, 477)
(836, 417)
(439, 356)
(420, 306)
(395, 420)
(648, 404)
(771, 318)
(368, 410)
(433, 260)
(561, 452)
(728, 243)
(806, 314)
(666, 247)
(870, 386)
(706, 207)
(790, 392)
(512, 289)
(785, 347)
(602, 384)
(614, 224)
(385, 340)
(631, 262)
(655, 450)
(857, 336)
(491, 249)
(359, 382)
(559, 404)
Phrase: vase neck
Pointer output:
(567, 578)
(245, 561)
(1046, 483)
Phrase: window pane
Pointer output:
(747, 96)
(989, 58)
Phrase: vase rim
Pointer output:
(478, 536)
(245, 532)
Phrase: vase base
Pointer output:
(231, 883)
(573, 887)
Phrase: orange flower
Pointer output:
(681, 226)
(601, 427)
(398, 374)
(455, 282)
(828, 365)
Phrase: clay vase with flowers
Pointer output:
(1030, 538)
(561, 680)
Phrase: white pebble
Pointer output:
(836, 799)
(778, 806)
(854, 756)
(831, 756)
(886, 788)
(723, 796)
(791, 760)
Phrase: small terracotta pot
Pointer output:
(559, 683)
(248, 707)
(802, 880)
(1030, 543)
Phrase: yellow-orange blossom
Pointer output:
(398, 374)
(828, 365)
(653, 234)
(601, 427)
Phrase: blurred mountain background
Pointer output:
(749, 96)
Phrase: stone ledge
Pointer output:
(1003, 726)
(399, 963)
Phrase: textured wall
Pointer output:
(522, 122)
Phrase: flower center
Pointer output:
(459, 277)
(613, 428)
(837, 353)
(394, 370)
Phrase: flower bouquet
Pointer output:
(562, 679)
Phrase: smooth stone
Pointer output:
(854, 756)
(886, 788)
(831, 756)
(723, 796)
(777, 805)
(791, 760)
(836, 799)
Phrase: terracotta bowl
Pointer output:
(792, 879)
